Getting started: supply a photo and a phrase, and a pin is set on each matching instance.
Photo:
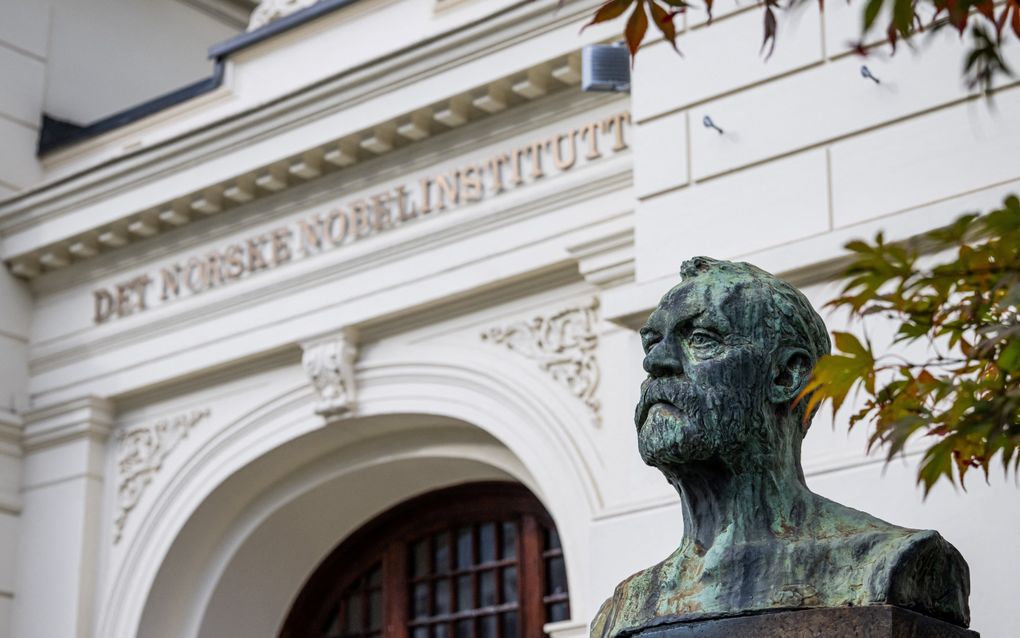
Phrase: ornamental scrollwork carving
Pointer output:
(329, 364)
(140, 454)
(563, 344)
(272, 10)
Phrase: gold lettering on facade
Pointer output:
(171, 278)
(590, 131)
(214, 269)
(361, 221)
(336, 226)
(425, 186)
(234, 260)
(515, 167)
(310, 233)
(281, 245)
(448, 187)
(196, 276)
(382, 217)
(560, 161)
(405, 208)
(495, 166)
(471, 183)
(103, 304)
(364, 217)
(256, 260)
(615, 123)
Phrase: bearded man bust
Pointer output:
(727, 352)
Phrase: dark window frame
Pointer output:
(388, 539)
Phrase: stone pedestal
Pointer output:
(879, 621)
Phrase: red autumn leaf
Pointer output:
(637, 26)
(770, 31)
(608, 11)
(987, 9)
(1015, 23)
(664, 22)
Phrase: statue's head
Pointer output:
(727, 352)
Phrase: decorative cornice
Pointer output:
(89, 417)
(329, 363)
(564, 345)
(313, 163)
(140, 454)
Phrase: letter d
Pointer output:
(104, 305)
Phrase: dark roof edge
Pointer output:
(245, 40)
(55, 134)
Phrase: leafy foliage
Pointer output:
(965, 396)
(986, 23)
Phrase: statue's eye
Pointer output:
(702, 339)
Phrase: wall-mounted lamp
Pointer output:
(605, 67)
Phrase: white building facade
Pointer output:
(390, 248)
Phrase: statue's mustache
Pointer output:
(672, 390)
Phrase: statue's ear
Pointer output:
(790, 375)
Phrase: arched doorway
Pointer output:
(481, 560)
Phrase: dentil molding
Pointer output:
(563, 344)
(140, 454)
(329, 363)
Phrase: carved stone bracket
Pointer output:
(140, 454)
(563, 344)
(272, 10)
(329, 364)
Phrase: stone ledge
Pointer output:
(878, 621)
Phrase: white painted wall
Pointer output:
(24, 49)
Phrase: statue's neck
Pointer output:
(741, 505)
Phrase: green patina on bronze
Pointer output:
(727, 352)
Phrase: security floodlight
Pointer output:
(605, 67)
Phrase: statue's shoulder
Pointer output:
(632, 593)
(927, 574)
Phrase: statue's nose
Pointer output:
(664, 359)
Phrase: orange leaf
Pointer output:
(608, 11)
(637, 26)
(664, 22)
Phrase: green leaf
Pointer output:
(1009, 358)
(871, 11)
(850, 344)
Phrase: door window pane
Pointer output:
(509, 540)
(510, 629)
(487, 627)
(509, 584)
(487, 588)
(465, 555)
(442, 553)
(487, 543)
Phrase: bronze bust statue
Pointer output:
(727, 352)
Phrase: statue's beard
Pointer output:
(679, 423)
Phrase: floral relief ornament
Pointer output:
(140, 454)
(272, 10)
(329, 364)
(563, 344)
